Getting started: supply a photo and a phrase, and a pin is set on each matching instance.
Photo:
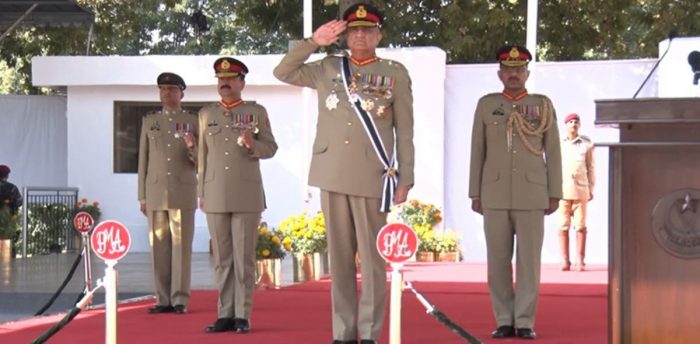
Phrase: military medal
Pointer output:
(177, 130)
(367, 105)
(380, 111)
(332, 101)
(354, 97)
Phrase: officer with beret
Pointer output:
(578, 177)
(365, 109)
(167, 185)
(515, 180)
(9, 193)
(234, 136)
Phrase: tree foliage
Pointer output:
(468, 30)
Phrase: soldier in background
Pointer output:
(167, 186)
(9, 193)
(234, 136)
(515, 180)
(578, 178)
(364, 108)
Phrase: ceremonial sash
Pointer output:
(390, 174)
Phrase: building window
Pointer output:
(128, 117)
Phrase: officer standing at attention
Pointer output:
(234, 136)
(365, 109)
(167, 186)
(515, 180)
(579, 177)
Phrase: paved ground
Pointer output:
(26, 285)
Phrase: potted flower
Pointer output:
(426, 243)
(268, 252)
(447, 246)
(91, 208)
(422, 217)
(9, 225)
(305, 237)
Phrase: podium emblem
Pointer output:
(676, 223)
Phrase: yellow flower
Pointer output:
(265, 253)
(275, 240)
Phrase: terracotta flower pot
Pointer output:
(310, 267)
(448, 256)
(425, 256)
(268, 273)
(5, 250)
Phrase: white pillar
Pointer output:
(531, 42)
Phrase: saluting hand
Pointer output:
(329, 32)
(246, 139)
(189, 140)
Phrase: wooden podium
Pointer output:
(654, 238)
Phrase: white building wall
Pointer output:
(444, 97)
(92, 89)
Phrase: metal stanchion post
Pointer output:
(87, 262)
(110, 302)
(395, 304)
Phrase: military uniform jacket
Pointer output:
(578, 168)
(344, 159)
(507, 176)
(167, 169)
(229, 175)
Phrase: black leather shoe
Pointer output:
(526, 333)
(180, 309)
(161, 309)
(220, 325)
(241, 325)
(504, 331)
(344, 342)
(367, 341)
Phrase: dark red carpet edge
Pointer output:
(301, 314)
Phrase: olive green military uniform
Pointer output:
(346, 168)
(167, 182)
(230, 184)
(514, 174)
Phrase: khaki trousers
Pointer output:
(352, 224)
(170, 235)
(569, 208)
(233, 239)
(514, 306)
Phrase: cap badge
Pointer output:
(361, 12)
(225, 65)
(514, 53)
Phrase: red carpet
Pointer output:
(567, 313)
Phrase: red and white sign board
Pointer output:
(110, 240)
(397, 242)
(83, 222)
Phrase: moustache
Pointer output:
(225, 86)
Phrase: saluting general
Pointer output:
(234, 135)
(365, 110)
(515, 180)
(167, 192)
